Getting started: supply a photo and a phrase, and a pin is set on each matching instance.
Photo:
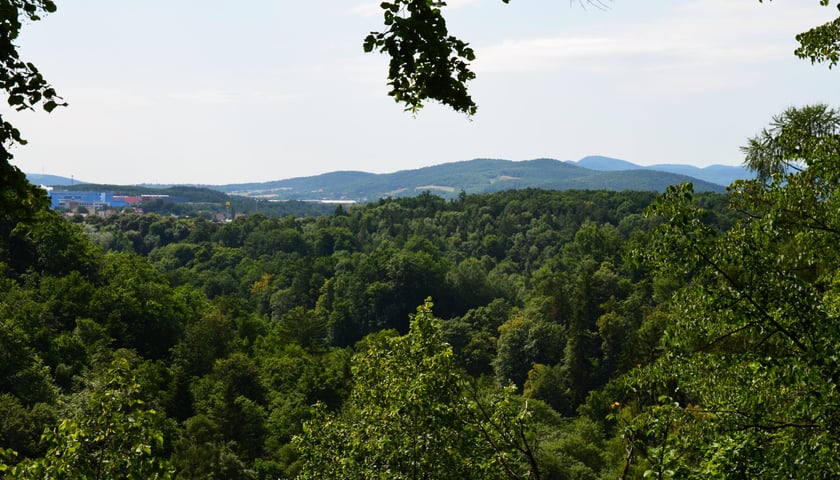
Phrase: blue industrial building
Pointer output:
(90, 200)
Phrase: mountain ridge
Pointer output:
(481, 175)
(484, 175)
(719, 174)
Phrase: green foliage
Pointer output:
(747, 385)
(524, 343)
(22, 370)
(449, 180)
(46, 244)
(25, 89)
(727, 334)
(574, 449)
(406, 417)
(21, 426)
(205, 341)
(237, 329)
(303, 328)
(21, 80)
(137, 307)
(115, 436)
(19, 201)
(821, 43)
(201, 453)
(426, 62)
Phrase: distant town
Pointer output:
(185, 202)
(101, 203)
(93, 201)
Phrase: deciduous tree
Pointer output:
(25, 89)
(427, 63)
(409, 416)
(115, 436)
(748, 384)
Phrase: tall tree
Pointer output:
(821, 43)
(427, 63)
(115, 436)
(409, 417)
(748, 384)
(25, 89)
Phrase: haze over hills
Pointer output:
(719, 174)
(51, 180)
(490, 175)
(477, 176)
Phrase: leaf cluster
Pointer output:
(747, 383)
(426, 62)
(236, 329)
(23, 84)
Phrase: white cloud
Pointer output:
(366, 9)
(218, 97)
(705, 34)
(108, 97)
(228, 97)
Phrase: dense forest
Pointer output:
(230, 338)
(183, 201)
(524, 334)
(519, 334)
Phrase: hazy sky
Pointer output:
(217, 92)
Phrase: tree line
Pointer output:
(520, 334)
(233, 333)
(526, 334)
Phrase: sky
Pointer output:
(218, 92)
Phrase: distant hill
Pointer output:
(473, 176)
(449, 179)
(605, 164)
(51, 180)
(720, 174)
(183, 192)
(338, 185)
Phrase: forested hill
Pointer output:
(450, 179)
(718, 174)
(471, 176)
(557, 334)
(211, 346)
